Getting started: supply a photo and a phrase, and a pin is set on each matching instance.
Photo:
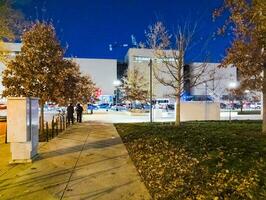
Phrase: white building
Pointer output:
(140, 59)
(218, 85)
(104, 71)
(215, 86)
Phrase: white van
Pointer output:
(162, 103)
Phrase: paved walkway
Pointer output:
(88, 161)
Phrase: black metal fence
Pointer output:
(3, 131)
(53, 128)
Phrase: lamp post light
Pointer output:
(231, 86)
(206, 100)
(150, 65)
(116, 83)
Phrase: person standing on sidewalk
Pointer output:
(70, 113)
(79, 111)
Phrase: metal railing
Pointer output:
(52, 129)
(3, 131)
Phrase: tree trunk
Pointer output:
(177, 111)
(42, 119)
(264, 100)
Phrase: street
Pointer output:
(125, 117)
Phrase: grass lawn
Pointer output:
(199, 160)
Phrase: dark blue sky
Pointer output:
(89, 26)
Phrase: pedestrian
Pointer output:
(79, 111)
(70, 113)
(167, 109)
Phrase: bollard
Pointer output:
(6, 136)
(56, 126)
(64, 123)
(47, 132)
(39, 124)
(60, 124)
(61, 119)
(53, 127)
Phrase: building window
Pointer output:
(146, 59)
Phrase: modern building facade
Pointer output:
(102, 71)
(105, 71)
(218, 85)
(140, 59)
(215, 81)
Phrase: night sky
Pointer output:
(87, 27)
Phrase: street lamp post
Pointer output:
(232, 85)
(116, 83)
(206, 100)
(150, 65)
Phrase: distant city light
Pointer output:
(116, 83)
(232, 85)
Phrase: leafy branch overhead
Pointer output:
(247, 21)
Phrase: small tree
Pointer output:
(135, 86)
(75, 87)
(247, 20)
(86, 89)
(11, 23)
(36, 71)
(172, 71)
(69, 82)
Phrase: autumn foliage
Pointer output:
(199, 160)
(41, 71)
(247, 22)
(135, 86)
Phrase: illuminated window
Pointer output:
(146, 59)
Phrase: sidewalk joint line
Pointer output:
(71, 174)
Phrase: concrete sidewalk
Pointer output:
(88, 161)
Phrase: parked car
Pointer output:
(61, 109)
(138, 106)
(246, 105)
(255, 105)
(104, 106)
(92, 107)
(146, 106)
(223, 106)
(171, 106)
(236, 105)
(119, 107)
